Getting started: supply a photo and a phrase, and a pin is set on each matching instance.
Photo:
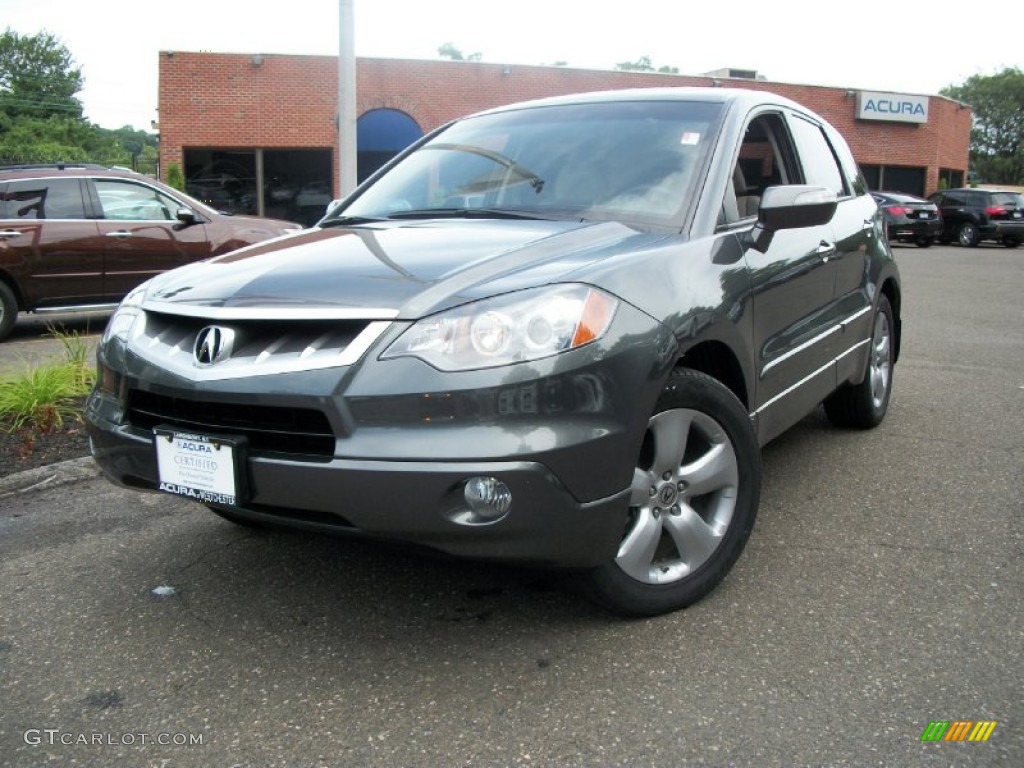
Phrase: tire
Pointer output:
(8, 310)
(967, 234)
(1011, 242)
(864, 405)
(924, 242)
(696, 489)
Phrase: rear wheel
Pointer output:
(1011, 242)
(8, 310)
(695, 494)
(968, 234)
(923, 242)
(864, 405)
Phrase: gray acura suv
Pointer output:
(555, 333)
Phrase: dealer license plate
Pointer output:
(200, 467)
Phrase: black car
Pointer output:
(909, 219)
(972, 215)
(554, 333)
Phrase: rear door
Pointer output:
(141, 234)
(859, 229)
(48, 245)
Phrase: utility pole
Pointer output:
(346, 99)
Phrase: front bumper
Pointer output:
(562, 434)
(402, 500)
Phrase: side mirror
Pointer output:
(334, 204)
(792, 206)
(186, 215)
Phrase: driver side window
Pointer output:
(763, 160)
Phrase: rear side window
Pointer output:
(44, 199)
(821, 168)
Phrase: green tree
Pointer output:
(41, 119)
(449, 51)
(644, 64)
(38, 77)
(997, 132)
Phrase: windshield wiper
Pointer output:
(347, 221)
(511, 165)
(465, 213)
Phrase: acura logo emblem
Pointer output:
(213, 344)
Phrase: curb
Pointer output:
(50, 476)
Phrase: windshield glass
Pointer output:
(628, 161)
(1008, 198)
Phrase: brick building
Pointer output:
(258, 132)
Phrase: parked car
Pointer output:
(83, 236)
(972, 215)
(553, 333)
(909, 219)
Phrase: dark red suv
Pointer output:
(82, 236)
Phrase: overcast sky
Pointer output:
(870, 44)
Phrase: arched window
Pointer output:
(380, 135)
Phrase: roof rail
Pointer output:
(54, 166)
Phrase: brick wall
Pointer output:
(214, 100)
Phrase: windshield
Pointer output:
(629, 161)
(1008, 198)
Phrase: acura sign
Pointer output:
(893, 107)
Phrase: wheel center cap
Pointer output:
(667, 495)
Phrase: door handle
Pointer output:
(9, 234)
(826, 250)
(120, 234)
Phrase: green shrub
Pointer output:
(77, 357)
(175, 178)
(45, 396)
(42, 398)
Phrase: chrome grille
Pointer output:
(261, 346)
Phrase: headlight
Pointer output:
(508, 329)
(125, 315)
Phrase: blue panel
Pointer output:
(385, 130)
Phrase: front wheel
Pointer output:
(695, 493)
(864, 405)
(924, 242)
(1011, 242)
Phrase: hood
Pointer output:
(407, 268)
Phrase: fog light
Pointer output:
(487, 497)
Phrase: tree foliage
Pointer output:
(644, 64)
(38, 76)
(41, 117)
(449, 51)
(997, 133)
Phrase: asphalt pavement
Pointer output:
(881, 591)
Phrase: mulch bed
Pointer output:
(28, 449)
